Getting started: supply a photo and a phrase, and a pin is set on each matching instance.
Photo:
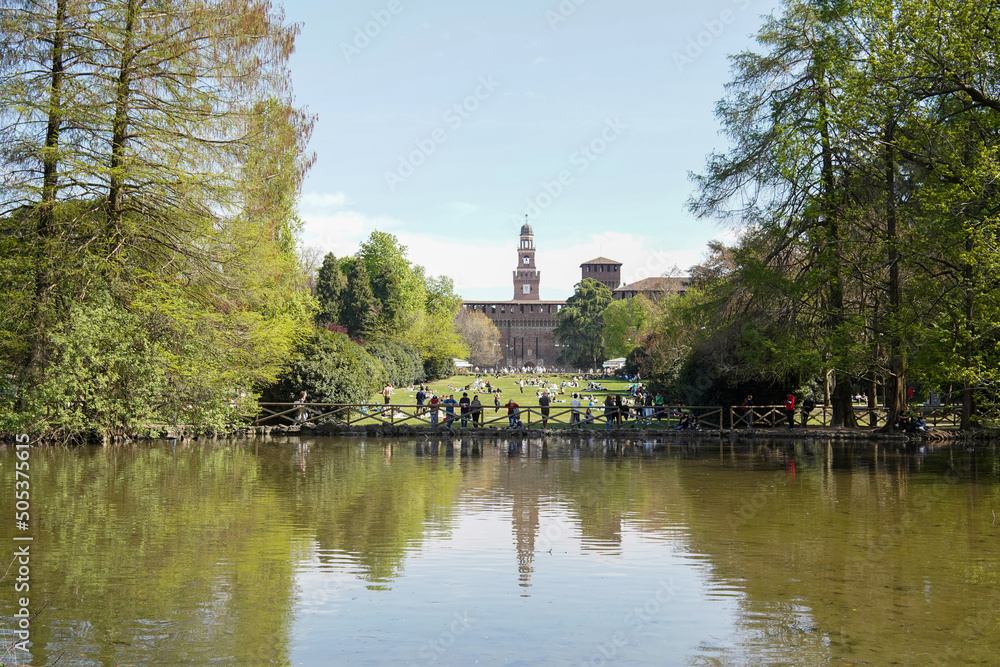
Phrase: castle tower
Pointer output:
(526, 276)
(603, 270)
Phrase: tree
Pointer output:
(581, 325)
(331, 284)
(331, 369)
(359, 309)
(481, 336)
(152, 164)
(626, 322)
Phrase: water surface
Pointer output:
(676, 552)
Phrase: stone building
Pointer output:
(655, 288)
(527, 323)
(603, 270)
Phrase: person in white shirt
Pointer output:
(574, 403)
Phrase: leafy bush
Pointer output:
(332, 369)
(439, 368)
(401, 361)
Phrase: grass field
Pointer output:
(509, 388)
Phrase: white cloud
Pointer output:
(462, 208)
(485, 270)
(318, 203)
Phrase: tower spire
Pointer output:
(526, 276)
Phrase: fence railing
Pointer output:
(396, 414)
(667, 416)
(821, 415)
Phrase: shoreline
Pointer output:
(865, 434)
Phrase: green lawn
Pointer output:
(455, 385)
(509, 389)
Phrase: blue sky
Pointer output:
(445, 122)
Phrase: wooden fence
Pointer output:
(395, 414)
(707, 416)
(775, 416)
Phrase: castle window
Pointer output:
(493, 309)
(526, 289)
(526, 259)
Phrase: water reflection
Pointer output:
(448, 551)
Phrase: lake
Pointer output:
(678, 551)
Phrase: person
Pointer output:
(302, 414)
(449, 410)
(609, 412)
(790, 410)
(521, 384)
(648, 403)
(421, 397)
(387, 392)
(543, 403)
(807, 406)
(513, 412)
(434, 409)
(684, 423)
(464, 408)
(747, 407)
(496, 402)
(658, 402)
(619, 408)
(477, 411)
(574, 404)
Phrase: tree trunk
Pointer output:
(46, 211)
(896, 399)
(119, 132)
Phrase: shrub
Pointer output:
(332, 369)
(401, 362)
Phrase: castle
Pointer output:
(527, 323)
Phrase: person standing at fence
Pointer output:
(574, 417)
(477, 411)
(609, 412)
(543, 404)
(387, 395)
(421, 397)
(302, 414)
(449, 410)
(807, 406)
(464, 407)
(434, 409)
(618, 410)
(790, 410)
(747, 406)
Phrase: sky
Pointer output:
(446, 122)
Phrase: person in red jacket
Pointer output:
(513, 412)
(790, 410)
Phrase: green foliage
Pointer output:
(401, 361)
(359, 309)
(151, 273)
(581, 325)
(105, 377)
(626, 322)
(332, 369)
(330, 287)
(438, 368)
